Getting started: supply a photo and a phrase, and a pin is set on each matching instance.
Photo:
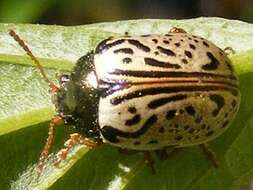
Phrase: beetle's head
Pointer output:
(77, 99)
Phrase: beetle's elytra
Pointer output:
(148, 92)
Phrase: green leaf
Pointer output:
(25, 102)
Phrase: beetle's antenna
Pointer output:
(21, 42)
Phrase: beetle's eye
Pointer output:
(63, 79)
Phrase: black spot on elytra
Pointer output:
(219, 101)
(156, 52)
(196, 137)
(205, 44)
(124, 50)
(166, 51)
(137, 143)
(203, 126)
(192, 46)
(132, 110)
(198, 119)
(171, 130)
(139, 45)
(178, 138)
(190, 110)
(161, 130)
(214, 63)
(153, 142)
(225, 124)
(136, 119)
(155, 40)
(185, 61)
(168, 35)
(182, 40)
(189, 38)
(196, 41)
(177, 44)
(166, 42)
(186, 127)
(171, 114)
(191, 130)
(233, 103)
(145, 35)
(209, 133)
(127, 60)
(188, 53)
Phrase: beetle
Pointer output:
(145, 93)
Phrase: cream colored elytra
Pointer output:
(175, 89)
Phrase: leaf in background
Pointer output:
(24, 101)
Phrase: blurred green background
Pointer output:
(77, 12)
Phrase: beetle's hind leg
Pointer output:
(146, 154)
(164, 154)
(210, 155)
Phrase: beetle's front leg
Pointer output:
(74, 139)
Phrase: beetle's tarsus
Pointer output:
(210, 155)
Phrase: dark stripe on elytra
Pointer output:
(139, 45)
(163, 74)
(168, 90)
(136, 119)
(166, 51)
(115, 86)
(219, 101)
(156, 63)
(103, 46)
(162, 101)
(213, 65)
(111, 134)
(124, 50)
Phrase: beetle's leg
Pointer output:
(55, 121)
(163, 154)
(149, 161)
(177, 30)
(74, 139)
(210, 155)
(229, 51)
